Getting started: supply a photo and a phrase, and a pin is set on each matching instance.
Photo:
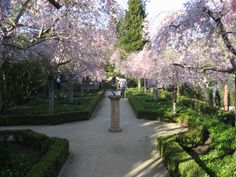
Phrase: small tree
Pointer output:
(130, 28)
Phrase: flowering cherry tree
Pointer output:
(208, 24)
(45, 26)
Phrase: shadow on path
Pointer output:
(95, 152)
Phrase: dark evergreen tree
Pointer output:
(130, 28)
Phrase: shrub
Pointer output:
(202, 120)
(56, 118)
(54, 150)
(191, 169)
(177, 160)
(51, 163)
(205, 109)
(227, 117)
(193, 137)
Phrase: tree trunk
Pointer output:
(71, 91)
(226, 97)
(234, 155)
(214, 96)
(139, 85)
(87, 85)
(178, 90)
(51, 95)
(1, 100)
(174, 99)
(155, 92)
(235, 102)
(82, 89)
(145, 85)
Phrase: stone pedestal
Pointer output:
(115, 113)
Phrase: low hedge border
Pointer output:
(55, 150)
(218, 161)
(177, 160)
(141, 113)
(172, 148)
(52, 119)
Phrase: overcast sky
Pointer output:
(157, 9)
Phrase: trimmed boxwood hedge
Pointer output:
(57, 118)
(176, 150)
(177, 160)
(143, 113)
(55, 150)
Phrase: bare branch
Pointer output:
(21, 12)
(184, 66)
(203, 69)
(63, 63)
(222, 30)
(55, 4)
(229, 32)
(228, 70)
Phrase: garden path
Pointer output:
(95, 152)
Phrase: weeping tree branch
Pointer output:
(222, 30)
(184, 66)
(203, 69)
(221, 70)
(25, 4)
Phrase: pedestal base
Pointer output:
(115, 113)
(114, 130)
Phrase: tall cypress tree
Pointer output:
(130, 28)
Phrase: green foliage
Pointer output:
(177, 160)
(210, 98)
(226, 117)
(202, 120)
(65, 113)
(192, 138)
(50, 155)
(111, 70)
(20, 80)
(145, 107)
(16, 159)
(197, 105)
(191, 169)
(51, 163)
(191, 92)
(130, 28)
(132, 82)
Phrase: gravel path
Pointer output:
(96, 152)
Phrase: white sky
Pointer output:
(157, 9)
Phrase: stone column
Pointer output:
(115, 113)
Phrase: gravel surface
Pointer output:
(96, 152)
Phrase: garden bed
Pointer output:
(64, 112)
(177, 151)
(30, 154)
